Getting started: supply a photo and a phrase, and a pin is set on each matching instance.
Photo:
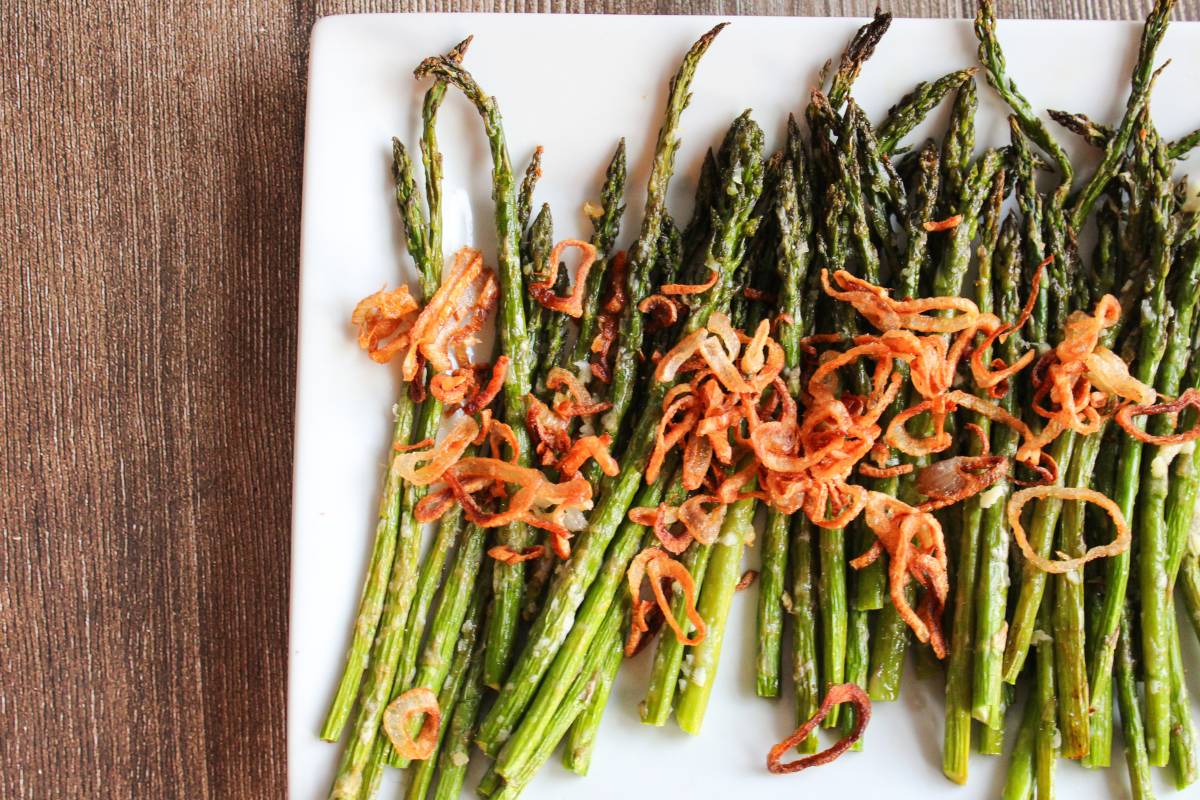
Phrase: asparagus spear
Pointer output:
(861, 47)
(1136, 760)
(1151, 327)
(642, 254)
(1046, 740)
(581, 740)
(992, 593)
(383, 550)
(891, 635)
(742, 181)
(451, 691)
(452, 612)
(533, 174)
(793, 215)
(916, 105)
(716, 598)
(992, 58)
(1141, 81)
(956, 747)
(1018, 782)
(602, 656)
(455, 752)
(404, 543)
(1153, 540)
(508, 578)
(669, 655)
(1182, 146)
(604, 233)
(1097, 134)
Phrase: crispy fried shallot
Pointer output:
(581, 403)
(663, 311)
(1118, 545)
(691, 288)
(654, 564)
(543, 291)
(947, 224)
(1189, 399)
(439, 457)
(418, 702)
(836, 695)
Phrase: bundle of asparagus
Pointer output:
(772, 368)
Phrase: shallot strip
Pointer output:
(543, 291)
(691, 288)
(838, 694)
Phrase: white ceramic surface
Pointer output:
(575, 84)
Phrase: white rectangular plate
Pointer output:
(575, 84)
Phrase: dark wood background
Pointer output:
(150, 166)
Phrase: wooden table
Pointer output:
(149, 209)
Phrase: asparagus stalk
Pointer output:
(603, 656)
(716, 598)
(861, 47)
(891, 635)
(581, 740)
(1190, 588)
(742, 181)
(1151, 328)
(669, 655)
(1018, 782)
(1045, 752)
(916, 105)
(1141, 81)
(605, 228)
(389, 632)
(451, 690)
(956, 748)
(1155, 579)
(452, 615)
(455, 752)
(1136, 759)
(642, 254)
(508, 578)
(383, 550)
(793, 215)
(1181, 147)
(991, 601)
(427, 585)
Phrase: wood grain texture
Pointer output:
(149, 208)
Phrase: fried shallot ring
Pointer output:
(397, 717)
(1189, 399)
(836, 695)
(691, 288)
(543, 291)
(1118, 545)
(663, 311)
